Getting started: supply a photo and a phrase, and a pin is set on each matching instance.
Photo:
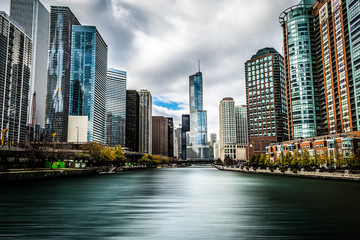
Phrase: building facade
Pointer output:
(145, 121)
(15, 63)
(34, 17)
(88, 79)
(170, 137)
(266, 100)
(344, 145)
(241, 124)
(196, 139)
(185, 127)
(177, 142)
(58, 85)
(116, 107)
(132, 120)
(160, 136)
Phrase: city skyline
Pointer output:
(215, 33)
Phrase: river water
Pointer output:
(180, 203)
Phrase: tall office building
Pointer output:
(241, 123)
(34, 17)
(213, 139)
(185, 127)
(160, 136)
(132, 120)
(170, 137)
(177, 142)
(15, 63)
(196, 146)
(88, 79)
(233, 128)
(266, 100)
(300, 60)
(115, 107)
(58, 85)
(145, 121)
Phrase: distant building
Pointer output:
(196, 138)
(35, 19)
(88, 78)
(185, 127)
(145, 121)
(171, 137)
(233, 123)
(58, 85)
(213, 139)
(177, 142)
(15, 63)
(160, 136)
(266, 100)
(132, 120)
(115, 107)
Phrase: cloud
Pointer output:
(158, 43)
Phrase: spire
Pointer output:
(199, 64)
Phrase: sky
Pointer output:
(158, 43)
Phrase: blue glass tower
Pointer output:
(88, 80)
(196, 138)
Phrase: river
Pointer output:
(180, 203)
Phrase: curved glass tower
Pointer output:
(297, 24)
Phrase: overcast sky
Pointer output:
(159, 42)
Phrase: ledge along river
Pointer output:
(180, 203)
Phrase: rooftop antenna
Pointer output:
(199, 64)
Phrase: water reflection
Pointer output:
(191, 203)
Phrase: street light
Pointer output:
(53, 135)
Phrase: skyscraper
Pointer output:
(34, 17)
(213, 139)
(170, 137)
(185, 127)
(88, 78)
(266, 100)
(233, 130)
(132, 120)
(145, 121)
(196, 146)
(15, 63)
(115, 107)
(177, 142)
(321, 67)
(57, 98)
(241, 123)
(160, 136)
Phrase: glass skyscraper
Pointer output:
(132, 120)
(115, 107)
(15, 63)
(145, 121)
(34, 17)
(196, 138)
(57, 98)
(88, 79)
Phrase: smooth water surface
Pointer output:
(181, 203)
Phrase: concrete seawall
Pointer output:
(340, 175)
(27, 175)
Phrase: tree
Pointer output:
(281, 159)
(254, 160)
(119, 155)
(80, 156)
(95, 151)
(262, 160)
(107, 155)
(305, 159)
(288, 159)
(296, 160)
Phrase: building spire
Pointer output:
(199, 64)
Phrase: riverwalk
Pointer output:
(347, 175)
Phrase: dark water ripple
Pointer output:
(190, 203)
